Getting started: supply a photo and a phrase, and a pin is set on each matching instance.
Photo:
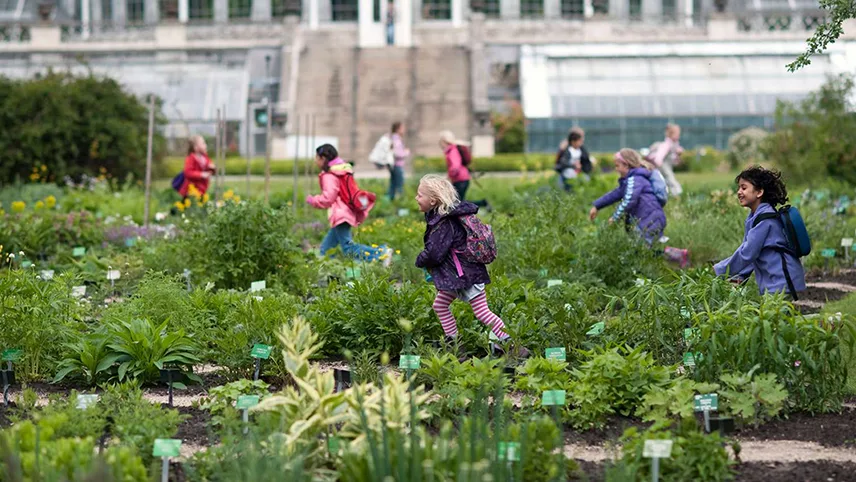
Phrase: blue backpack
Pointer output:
(178, 181)
(799, 242)
(658, 185)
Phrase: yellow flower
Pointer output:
(192, 191)
(39, 205)
(187, 203)
(205, 198)
(374, 246)
(18, 206)
(237, 199)
(44, 168)
(34, 176)
(229, 194)
(397, 251)
(180, 206)
(50, 202)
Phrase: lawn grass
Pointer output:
(845, 305)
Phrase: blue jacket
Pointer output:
(756, 254)
(638, 204)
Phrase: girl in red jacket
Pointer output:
(197, 167)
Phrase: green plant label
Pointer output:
(706, 403)
(258, 286)
(846, 242)
(828, 253)
(353, 273)
(689, 359)
(26, 264)
(553, 282)
(657, 449)
(596, 329)
(114, 274)
(78, 291)
(246, 402)
(11, 354)
(85, 401)
(689, 335)
(685, 313)
(509, 451)
(130, 242)
(409, 362)
(403, 212)
(334, 444)
(556, 353)
(260, 351)
(166, 447)
(78, 252)
(542, 272)
(47, 274)
(553, 397)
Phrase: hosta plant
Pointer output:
(145, 348)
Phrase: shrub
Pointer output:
(814, 138)
(72, 126)
(745, 147)
(510, 129)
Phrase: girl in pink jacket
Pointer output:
(459, 174)
(334, 172)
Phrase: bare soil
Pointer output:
(827, 429)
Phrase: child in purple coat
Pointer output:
(764, 247)
(638, 204)
(454, 277)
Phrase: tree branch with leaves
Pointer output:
(827, 32)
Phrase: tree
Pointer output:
(827, 32)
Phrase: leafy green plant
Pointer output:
(676, 400)
(753, 397)
(89, 359)
(145, 348)
(220, 399)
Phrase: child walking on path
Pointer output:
(765, 249)
(336, 176)
(638, 204)
(197, 167)
(454, 275)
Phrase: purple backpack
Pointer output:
(481, 245)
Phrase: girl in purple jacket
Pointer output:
(637, 203)
(762, 250)
(454, 277)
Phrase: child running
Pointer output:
(454, 276)
(638, 204)
(572, 160)
(334, 174)
(765, 250)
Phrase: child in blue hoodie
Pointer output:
(761, 190)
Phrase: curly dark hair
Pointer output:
(775, 192)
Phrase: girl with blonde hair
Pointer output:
(455, 275)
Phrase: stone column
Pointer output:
(70, 7)
(184, 11)
(221, 11)
(118, 8)
(687, 11)
(416, 11)
(85, 19)
(652, 10)
(619, 8)
(152, 12)
(457, 13)
(97, 14)
(261, 10)
(509, 9)
(403, 22)
(552, 9)
(481, 130)
(588, 9)
(311, 12)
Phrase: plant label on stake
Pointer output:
(47, 274)
(245, 403)
(26, 264)
(409, 362)
(130, 242)
(166, 448)
(596, 329)
(656, 450)
(334, 444)
(704, 404)
(553, 397)
(689, 359)
(689, 335)
(542, 272)
(847, 243)
(11, 355)
(256, 286)
(353, 273)
(186, 274)
(509, 451)
(403, 212)
(554, 282)
(78, 291)
(259, 352)
(78, 252)
(113, 275)
(85, 401)
(557, 354)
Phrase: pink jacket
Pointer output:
(667, 152)
(458, 172)
(337, 211)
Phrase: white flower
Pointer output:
(160, 216)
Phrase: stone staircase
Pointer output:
(356, 94)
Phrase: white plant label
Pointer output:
(85, 401)
(660, 449)
(114, 274)
(846, 242)
(78, 291)
(47, 274)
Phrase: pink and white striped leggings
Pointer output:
(479, 303)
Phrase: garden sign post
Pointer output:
(149, 160)
(656, 450)
(166, 448)
(704, 404)
(259, 352)
(244, 404)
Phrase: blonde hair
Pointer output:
(671, 128)
(191, 143)
(439, 190)
(449, 138)
(630, 157)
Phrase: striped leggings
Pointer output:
(479, 303)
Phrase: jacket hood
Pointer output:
(340, 167)
(462, 209)
(640, 171)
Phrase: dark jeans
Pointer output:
(396, 182)
(390, 33)
(461, 188)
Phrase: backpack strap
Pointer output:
(764, 217)
(457, 264)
